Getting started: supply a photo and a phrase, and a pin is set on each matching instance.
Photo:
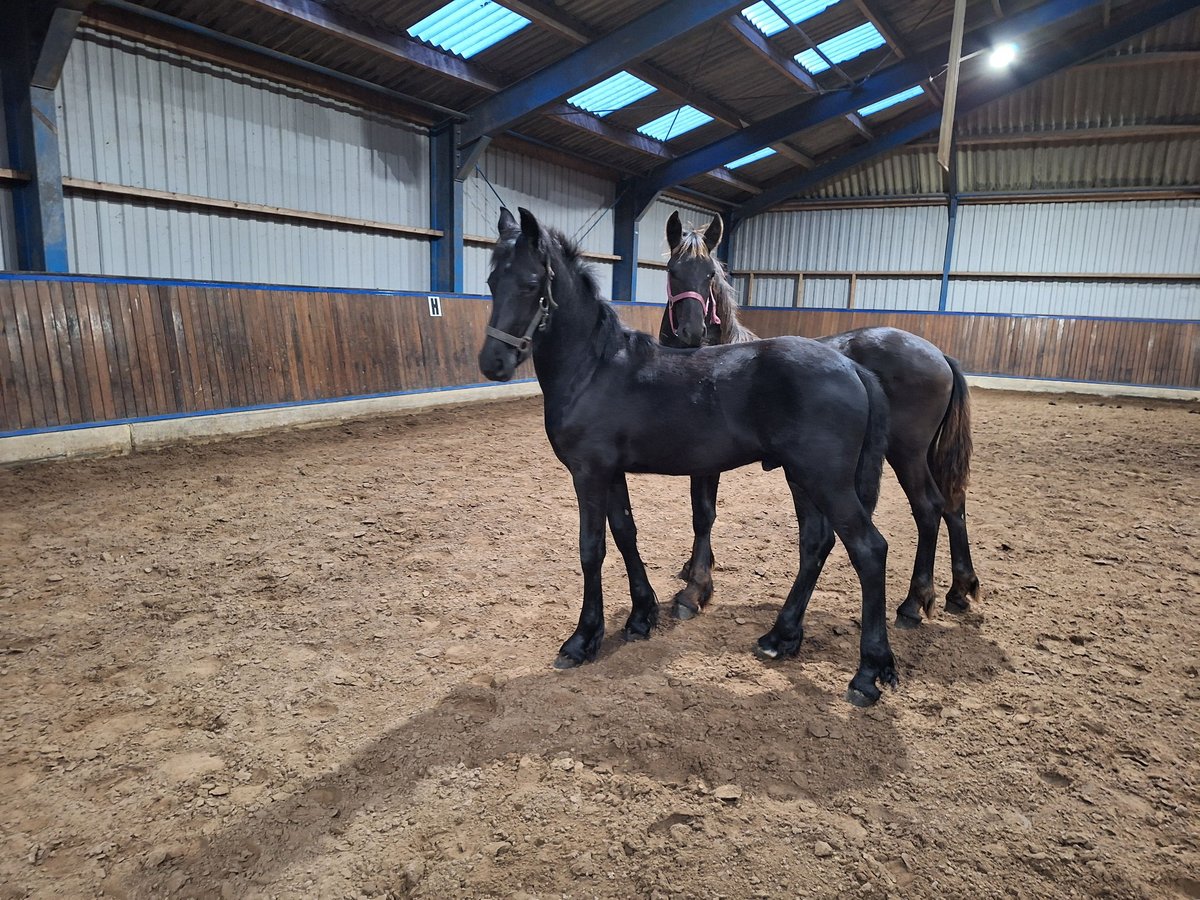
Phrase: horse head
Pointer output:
(693, 278)
(520, 284)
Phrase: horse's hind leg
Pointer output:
(867, 549)
(816, 540)
(698, 591)
(912, 471)
(644, 616)
(965, 586)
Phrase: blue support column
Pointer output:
(952, 178)
(446, 211)
(627, 216)
(33, 53)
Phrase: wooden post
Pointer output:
(749, 290)
(853, 289)
(798, 300)
(956, 39)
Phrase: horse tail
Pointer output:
(950, 450)
(875, 442)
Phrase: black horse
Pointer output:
(929, 440)
(616, 401)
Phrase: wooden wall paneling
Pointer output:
(101, 343)
(175, 360)
(143, 308)
(83, 361)
(14, 369)
(41, 320)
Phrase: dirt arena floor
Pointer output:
(317, 665)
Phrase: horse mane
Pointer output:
(732, 330)
(610, 330)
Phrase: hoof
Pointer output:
(861, 700)
(565, 662)
(633, 633)
(771, 648)
(863, 690)
(683, 612)
(907, 622)
(957, 606)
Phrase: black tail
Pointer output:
(950, 451)
(870, 460)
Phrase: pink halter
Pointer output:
(709, 305)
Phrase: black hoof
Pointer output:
(957, 606)
(565, 662)
(903, 620)
(863, 690)
(771, 647)
(577, 650)
(683, 612)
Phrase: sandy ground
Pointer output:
(318, 665)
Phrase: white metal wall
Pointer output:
(134, 116)
(652, 244)
(1131, 237)
(1030, 239)
(576, 203)
(842, 240)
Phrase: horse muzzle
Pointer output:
(497, 361)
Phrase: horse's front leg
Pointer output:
(591, 490)
(693, 598)
(644, 616)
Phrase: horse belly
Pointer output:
(693, 444)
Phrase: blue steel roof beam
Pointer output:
(344, 27)
(1019, 76)
(834, 104)
(591, 63)
(785, 64)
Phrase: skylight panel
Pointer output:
(750, 157)
(875, 107)
(611, 94)
(842, 47)
(766, 20)
(675, 123)
(465, 27)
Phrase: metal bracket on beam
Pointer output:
(468, 156)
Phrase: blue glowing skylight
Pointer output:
(464, 27)
(611, 94)
(762, 17)
(842, 47)
(875, 107)
(750, 157)
(675, 123)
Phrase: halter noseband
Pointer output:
(540, 320)
(709, 304)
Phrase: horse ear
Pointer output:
(529, 226)
(674, 231)
(714, 232)
(507, 224)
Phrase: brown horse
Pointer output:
(929, 440)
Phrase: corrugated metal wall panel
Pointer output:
(896, 293)
(904, 238)
(137, 239)
(824, 293)
(1135, 237)
(773, 290)
(135, 116)
(652, 284)
(140, 117)
(1073, 298)
(1158, 162)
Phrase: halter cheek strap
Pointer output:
(708, 304)
(540, 320)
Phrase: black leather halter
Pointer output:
(541, 319)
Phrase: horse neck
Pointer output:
(568, 349)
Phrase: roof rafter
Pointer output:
(590, 63)
(553, 19)
(898, 44)
(838, 103)
(1071, 54)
